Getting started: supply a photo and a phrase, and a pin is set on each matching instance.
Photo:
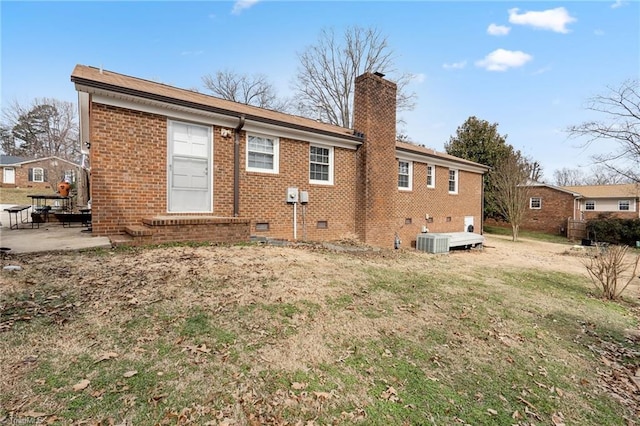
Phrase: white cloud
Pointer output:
(455, 65)
(552, 19)
(598, 32)
(192, 52)
(502, 60)
(241, 5)
(498, 30)
(618, 3)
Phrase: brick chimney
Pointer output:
(377, 175)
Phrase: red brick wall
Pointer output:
(551, 218)
(589, 215)
(375, 116)
(128, 167)
(446, 211)
(129, 180)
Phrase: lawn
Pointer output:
(251, 335)
(542, 236)
(18, 196)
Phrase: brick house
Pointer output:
(551, 206)
(169, 164)
(38, 173)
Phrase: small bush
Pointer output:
(610, 272)
(614, 231)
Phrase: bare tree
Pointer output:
(327, 71)
(568, 177)
(510, 179)
(621, 124)
(253, 90)
(596, 175)
(46, 128)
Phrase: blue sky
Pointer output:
(528, 66)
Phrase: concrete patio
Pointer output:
(50, 236)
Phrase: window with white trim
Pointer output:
(590, 205)
(37, 174)
(405, 169)
(262, 154)
(321, 165)
(453, 181)
(431, 176)
(623, 205)
(535, 203)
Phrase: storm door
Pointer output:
(190, 177)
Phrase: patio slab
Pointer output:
(50, 236)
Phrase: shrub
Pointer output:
(614, 231)
(610, 272)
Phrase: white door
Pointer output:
(468, 224)
(9, 175)
(190, 180)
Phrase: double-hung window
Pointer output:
(623, 205)
(37, 174)
(431, 176)
(321, 165)
(535, 203)
(262, 154)
(590, 205)
(453, 181)
(404, 175)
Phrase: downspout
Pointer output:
(236, 167)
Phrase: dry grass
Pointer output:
(277, 335)
(18, 196)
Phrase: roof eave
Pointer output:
(88, 83)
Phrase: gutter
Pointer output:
(236, 166)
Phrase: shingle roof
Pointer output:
(432, 153)
(12, 159)
(96, 78)
(108, 80)
(606, 191)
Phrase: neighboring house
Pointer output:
(169, 164)
(620, 201)
(37, 173)
(550, 207)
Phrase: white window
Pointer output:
(535, 203)
(262, 154)
(623, 205)
(321, 165)
(37, 174)
(431, 176)
(590, 205)
(453, 181)
(405, 169)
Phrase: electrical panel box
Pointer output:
(292, 195)
(304, 197)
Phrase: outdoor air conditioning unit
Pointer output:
(432, 243)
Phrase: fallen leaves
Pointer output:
(390, 394)
(81, 385)
(107, 356)
(130, 373)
